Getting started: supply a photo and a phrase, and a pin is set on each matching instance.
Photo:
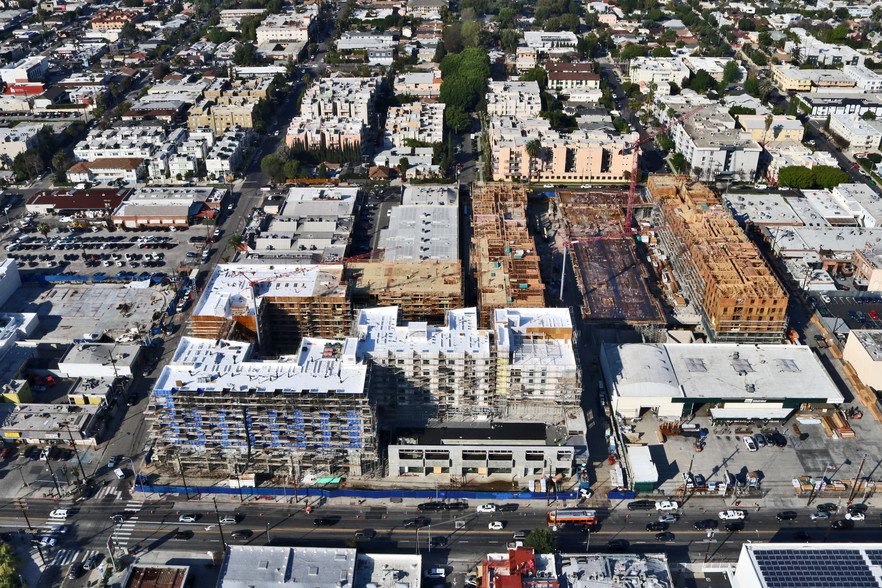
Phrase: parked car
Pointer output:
(486, 508)
(666, 505)
(731, 515)
(187, 518)
(667, 536)
(430, 506)
(641, 505)
(819, 516)
(859, 507)
(751, 445)
(759, 440)
(787, 515)
(435, 573)
(827, 507)
(855, 516)
(652, 527)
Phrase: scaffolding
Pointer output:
(504, 255)
(741, 300)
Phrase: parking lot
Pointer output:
(858, 312)
(101, 252)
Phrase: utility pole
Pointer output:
(76, 451)
(220, 529)
(54, 479)
(238, 482)
(856, 478)
(23, 505)
(184, 478)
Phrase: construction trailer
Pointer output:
(503, 254)
(738, 296)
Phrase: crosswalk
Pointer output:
(113, 493)
(122, 533)
(65, 557)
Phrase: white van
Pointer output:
(120, 474)
(228, 520)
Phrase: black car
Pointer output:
(456, 506)
(241, 534)
(787, 515)
(507, 507)
(700, 482)
(705, 524)
(183, 535)
(430, 506)
(438, 541)
(417, 522)
(617, 545)
(591, 528)
(666, 536)
(75, 571)
(828, 507)
(642, 505)
(657, 527)
(770, 438)
(780, 440)
(843, 524)
(734, 527)
(323, 522)
(803, 536)
(857, 508)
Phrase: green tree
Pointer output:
(61, 161)
(792, 107)
(245, 54)
(43, 229)
(661, 51)
(465, 78)
(828, 177)
(160, 70)
(731, 73)
(9, 577)
(403, 165)
(248, 27)
(541, 540)
(457, 119)
(534, 148)
(751, 86)
(796, 176)
(273, 166)
(869, 115)
(631, 51)
(678, 161)
(506, 17)
(291, 167)
(746, 24)
(702, 82)
(218, 35)
(538, 75)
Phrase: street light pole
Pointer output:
(76, 451)
(219, 526)
(183, 477)
(54, 479)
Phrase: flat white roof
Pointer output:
(871, 341)
(833, 238)
(421, 233)
(388, 570)
(324, 367)
(826, 207)
(379, 334)
(762, 209)
(244, 285)
(297, 567)
(722, 370)
(514, 327)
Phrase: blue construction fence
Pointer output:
(375, 494)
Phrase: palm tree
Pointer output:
(534, 148)
(43, 229)
(768, 124)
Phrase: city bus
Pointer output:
(558, 518)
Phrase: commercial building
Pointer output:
(425, 227)
(783, 128)
(520, 566)
(861, 135)
(865, 78)
(29, 69)
(160, 206)
(417, 121)
(734, 381)
(579, 156)
(155, 576)
(100, 360)
(87, 203)
(793, 79)
(313, 226)
(774, 565)
(503, 253)
(713, 147)
(545, 42)
(273, 305)
(515, 99)
(614, 569)
(17, 139)
(480, 451)
(863, 349)
(660, 72)
(718, 268)
(50, 423)
(524, 368)
(216, 409)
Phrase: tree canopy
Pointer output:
(820, 176)
(542, 540)
(465, 78)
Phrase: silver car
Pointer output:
(820, 516)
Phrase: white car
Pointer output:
(487, 508)
(667, 505)
(819, 516)
(495, 526)
(58, 513)
(855, 516)
(185, 518)
(751, 444)
(47, 541)
(731, 515)
(825, 298)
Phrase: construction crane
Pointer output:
(632, 190)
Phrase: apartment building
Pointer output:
(658, 72)
(718, 269)
(823, 105)
(865, 78)
(524, 365)
(712, 65)
(810, 50)
(503, 253)
(17, 139)
(225, 156)
(331, 133)
(425, 85)
(113, 20)
(417, 121)
(793, 79)
(714, 148)
(288, 27)
(426, 8)
(128, 141)
(344, 98)
(783, 128)
(516, 99)
(273, 306)
(544, 42)
(218, 410)
(128, 170)
(576, 76)
(861, 135)
(364, 41)
(580, 156)
(238, 112)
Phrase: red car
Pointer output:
(874, 315)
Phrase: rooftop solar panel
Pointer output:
(815, 568)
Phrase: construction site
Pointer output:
(422, 291)
(713, 265)
(273, 306)
(504, 256)
(605, 260)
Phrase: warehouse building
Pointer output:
(734, 382)
(218, 409)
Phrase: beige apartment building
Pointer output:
(580, 156)
(220, 117)
(783, 128)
